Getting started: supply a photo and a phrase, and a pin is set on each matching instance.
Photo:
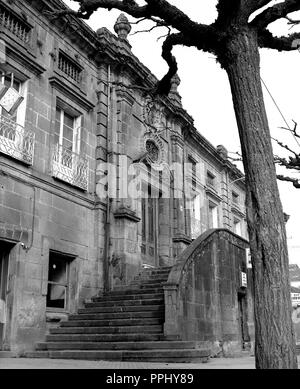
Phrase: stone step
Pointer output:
(112, 322)
(155, 355)
(157, 269)
(145, 296)
(133, 292)
(153, 277)
(149, 285)
(126, 303)
(157, 274)
(98, 338)
(117, 315)
(136, 345)
(115, 309)
(86, 331)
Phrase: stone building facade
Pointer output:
(97, 179)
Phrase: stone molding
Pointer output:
(126, 213)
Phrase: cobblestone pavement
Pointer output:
(214, 363)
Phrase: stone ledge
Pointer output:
(182, 238)
(126, 213)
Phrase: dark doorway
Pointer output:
(243, 318)
(4, 268)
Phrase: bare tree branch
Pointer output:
(254, 5)
(276, 12)
(291, 163)
(240, 10)
(267, 40)
(158, 23)
(88, 7)
(285, 147)
(164, 85)
(295, 181)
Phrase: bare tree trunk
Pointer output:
(274, 333)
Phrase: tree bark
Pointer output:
(274, 333)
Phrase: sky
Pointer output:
(206, 93)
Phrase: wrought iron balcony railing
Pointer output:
(70, 167)
(16, 141)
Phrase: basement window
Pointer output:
(58, 281)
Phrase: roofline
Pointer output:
(106, 45)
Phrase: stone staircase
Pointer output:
(123, 325)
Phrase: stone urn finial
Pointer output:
(174, 94)
(222, 151)
(122, 27)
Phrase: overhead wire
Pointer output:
(279, 110)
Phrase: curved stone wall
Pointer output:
(204, 297)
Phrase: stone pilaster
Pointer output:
(180, 240)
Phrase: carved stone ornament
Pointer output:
(154, 116)
(154, 148)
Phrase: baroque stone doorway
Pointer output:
(150, 227)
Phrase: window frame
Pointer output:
(237, 222)
(67, 259)
(212, 205)
(23, 91)
(210, 179)
(235, 198)
(77, 126)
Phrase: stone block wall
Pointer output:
(38, 213)
(203, 292)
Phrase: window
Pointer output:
(235, 198)
(193, 203)
(68, 164)
(58, 281)
(237, 227)
(67, 130)
(193, 173)
(15, 25)
(210, 179)
(15, 140)
(10, 81)
(69, 67)
(213, 217)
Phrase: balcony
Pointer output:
(70, 167)
(15, 25)
(69, 68)
(16, 141)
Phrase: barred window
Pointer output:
(15, 25)
(69, 67)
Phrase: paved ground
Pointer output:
(214, 363)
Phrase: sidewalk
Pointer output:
(214, 363)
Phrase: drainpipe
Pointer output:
(107, 229)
